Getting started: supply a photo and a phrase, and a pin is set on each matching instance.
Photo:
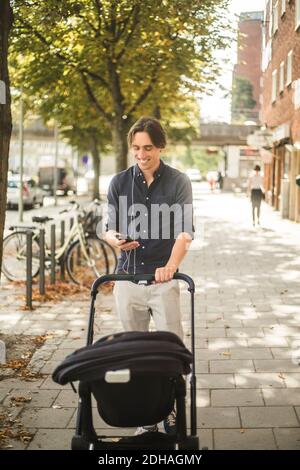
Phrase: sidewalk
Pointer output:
(247, 333)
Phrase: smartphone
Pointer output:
(127, 238)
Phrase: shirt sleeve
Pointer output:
(184, 200)
(113, 206)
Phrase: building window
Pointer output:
(274, 85)
(297, 18)
(267, 55)
(275, 18)
(281, 77)
(283, 7)
(289, 66)
(270, 20)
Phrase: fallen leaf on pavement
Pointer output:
(19, 400)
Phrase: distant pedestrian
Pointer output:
(211, 178)
(256, 192)
(220, 180)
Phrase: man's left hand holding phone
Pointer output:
(118, 240)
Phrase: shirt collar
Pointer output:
(157, 173)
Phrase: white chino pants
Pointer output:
(133, 302)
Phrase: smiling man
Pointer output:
(151, 203)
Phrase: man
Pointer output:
(151, 203)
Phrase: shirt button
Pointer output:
(143, 247)
(142, 263)
(144, 181)
(144, 231)
(146, 214)
(147, 198)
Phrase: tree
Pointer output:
(130, 57)
(6, 19)
(92, 140)
(242, 99)
(182, 121)
(58, 96)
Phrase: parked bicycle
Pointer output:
(85, 255)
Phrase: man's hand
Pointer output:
(126, 246)
(165, 274)
(111, 238)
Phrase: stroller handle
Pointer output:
(137, 277)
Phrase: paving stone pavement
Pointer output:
(247, 321)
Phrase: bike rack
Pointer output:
(29, 269)
(52, 256)
(42, 262)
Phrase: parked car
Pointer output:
(194, 174)
(32, 193)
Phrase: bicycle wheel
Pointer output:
(84, 270)
(14, 256)
(111, 256)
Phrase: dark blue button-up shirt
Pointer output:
(154, 215)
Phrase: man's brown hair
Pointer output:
(153, 127)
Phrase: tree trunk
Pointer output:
(6, 19)
(96, 166)
(119, 135)
(156, 112)
(120, 122)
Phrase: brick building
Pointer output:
(281, 103)
(247, 71)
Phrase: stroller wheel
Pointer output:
(190, 443)
(80, 443)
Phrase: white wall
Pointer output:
(233, 158)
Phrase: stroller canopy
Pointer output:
(158, 353)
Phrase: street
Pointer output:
(12, 215)
(247, 334)
(149, 100)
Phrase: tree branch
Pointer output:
(93, 99)
(146, 92)
(122, 26)
(62, 57)
(135, 22)
(98, 6)
(96, 30)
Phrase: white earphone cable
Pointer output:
(132, 222)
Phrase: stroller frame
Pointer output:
(85, 437)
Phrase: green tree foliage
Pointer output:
(242, 99)
(128, 57)
(195, 156)
(181, 120)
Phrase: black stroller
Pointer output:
(136, 379)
